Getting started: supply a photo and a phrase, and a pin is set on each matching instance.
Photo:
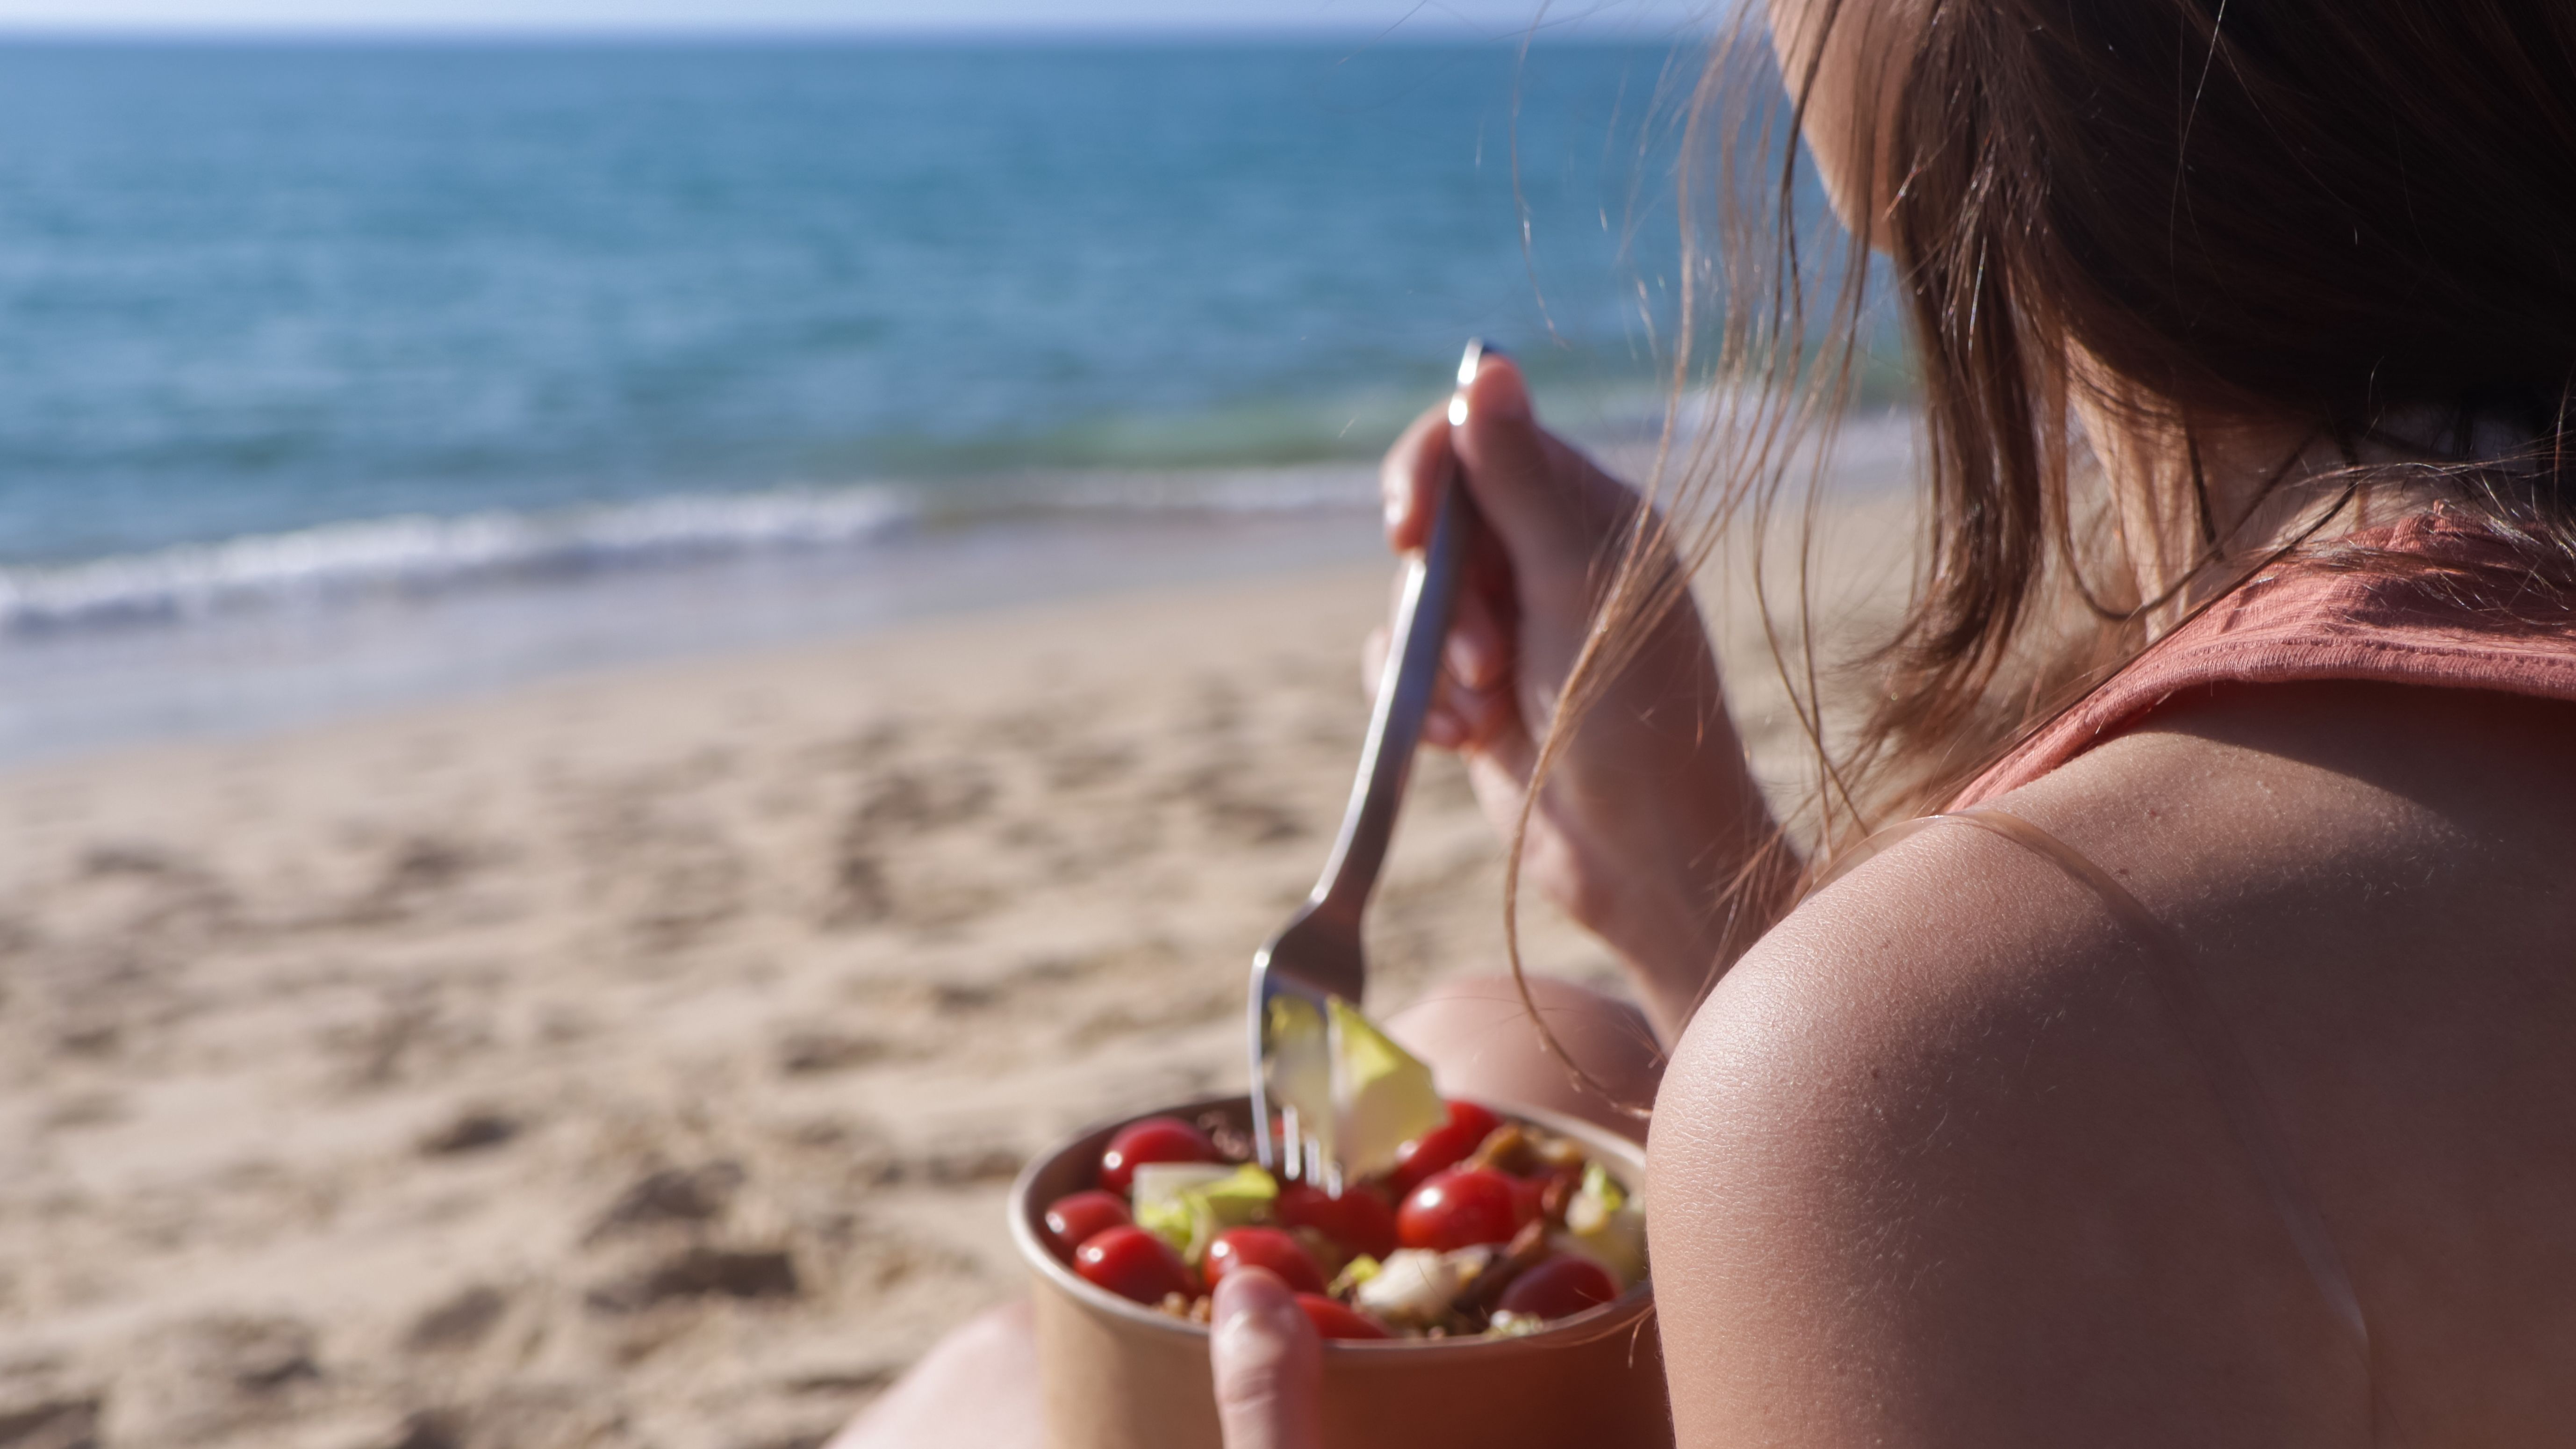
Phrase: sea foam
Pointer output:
(419, 552)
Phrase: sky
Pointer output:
(1427, 18)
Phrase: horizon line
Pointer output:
(1418, 27)
(1001, 35)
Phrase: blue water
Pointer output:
(275, 313)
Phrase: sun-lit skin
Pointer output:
(1838, 59)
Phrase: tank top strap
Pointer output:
(2450, 604)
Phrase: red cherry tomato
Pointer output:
(1338, 1320)
(1263, 1248)
(1156, 1139)
(1461, 1208)
(1442, 1147)
(1559, 1287)
(1359, 1219)
(1133, 1263)
(1077, 1217)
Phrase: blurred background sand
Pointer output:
(641, 1058)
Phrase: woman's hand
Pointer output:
(980, 1384)
(1649, 813)
(1269, 1364)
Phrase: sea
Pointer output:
(335, 376)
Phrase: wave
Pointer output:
(1283, 489)
(417, 554)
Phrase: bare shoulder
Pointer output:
(1930, 1167)
(1936, 1164)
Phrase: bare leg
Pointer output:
(1481, 1043)
(979, 1385)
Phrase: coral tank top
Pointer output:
(2472, 618)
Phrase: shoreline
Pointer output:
(294, 663)
(303, 646)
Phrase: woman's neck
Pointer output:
(2199, 508)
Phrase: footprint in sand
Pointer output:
(476, 1129)
(699, 1271)
(202, 1378)
(456, 1323)
(669, 1196)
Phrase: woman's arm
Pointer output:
(1649, 816)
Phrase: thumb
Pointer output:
(1545, 500)
(1269, 1364)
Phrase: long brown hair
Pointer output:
(2353, 220)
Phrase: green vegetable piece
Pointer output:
(1599, 1185)
(1382, 1093)
(1162, 1204)
(1602, 1223)
(1242, 1195)
(1188, 1204)
(1355, 1272)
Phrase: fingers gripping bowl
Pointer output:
(1456, 1364)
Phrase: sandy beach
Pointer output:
(641, 1058)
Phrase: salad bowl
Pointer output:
(1122, 1375)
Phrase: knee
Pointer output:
(979, 1385)
(1481, 1042)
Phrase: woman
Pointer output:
(2211, 1081)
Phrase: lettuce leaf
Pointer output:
(1604, 1223)
(1187, 1204)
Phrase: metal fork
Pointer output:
(1317, 954)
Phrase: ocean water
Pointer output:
(247, 292)
(298, 327)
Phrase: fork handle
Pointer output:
(1404, 694)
